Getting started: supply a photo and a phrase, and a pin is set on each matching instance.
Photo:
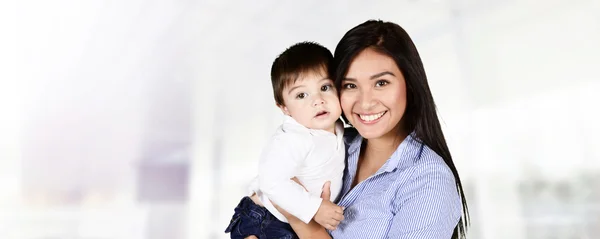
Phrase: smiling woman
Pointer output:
(374, 100)
(400, 180)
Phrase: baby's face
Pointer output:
(312, 101)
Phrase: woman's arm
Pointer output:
(312, 230)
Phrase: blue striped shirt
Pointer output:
(413, 195)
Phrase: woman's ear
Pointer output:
(284, 109)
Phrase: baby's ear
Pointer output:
(284, 109)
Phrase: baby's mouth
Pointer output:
(321, 113)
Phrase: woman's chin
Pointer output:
(371, 130)
(369, 133)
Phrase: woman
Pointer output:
(400, 181)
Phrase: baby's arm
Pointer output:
(329, 214)
(278, 165)
(312, 229)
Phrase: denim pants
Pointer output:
(251, 219)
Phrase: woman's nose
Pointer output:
(366, 100)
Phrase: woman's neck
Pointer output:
(383, 147)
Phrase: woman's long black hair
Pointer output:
(420, 115)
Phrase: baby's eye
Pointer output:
(326, 87)
(349, 86)
(381, 83)
(301, 95)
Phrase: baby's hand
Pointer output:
(329, 215)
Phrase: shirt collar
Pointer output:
(353, 140)
(290, 123)
(406, 153)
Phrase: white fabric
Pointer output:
(312, 156)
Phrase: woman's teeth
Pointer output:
(371, 117)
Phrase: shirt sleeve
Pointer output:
(279, 163)
(430, 207)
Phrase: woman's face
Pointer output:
(373, 95)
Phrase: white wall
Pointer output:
(87, 87)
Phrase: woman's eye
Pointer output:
(381, 83)
(327, 87)
(301, 96)
(349, 86)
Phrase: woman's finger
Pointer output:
(333, 223)
(326, 191)
(329, 227)
(338, 217)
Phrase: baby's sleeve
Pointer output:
(279, 163)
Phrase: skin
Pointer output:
(375, 89)
(374, 86)
(312, 101)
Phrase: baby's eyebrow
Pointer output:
(293, 88)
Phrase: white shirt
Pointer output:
(312, 156)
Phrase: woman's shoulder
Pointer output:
(422, 161)
(431, 164)
(429, 171)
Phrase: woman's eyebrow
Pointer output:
(382, 74)
(373, 77)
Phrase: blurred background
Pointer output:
(144, 119)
